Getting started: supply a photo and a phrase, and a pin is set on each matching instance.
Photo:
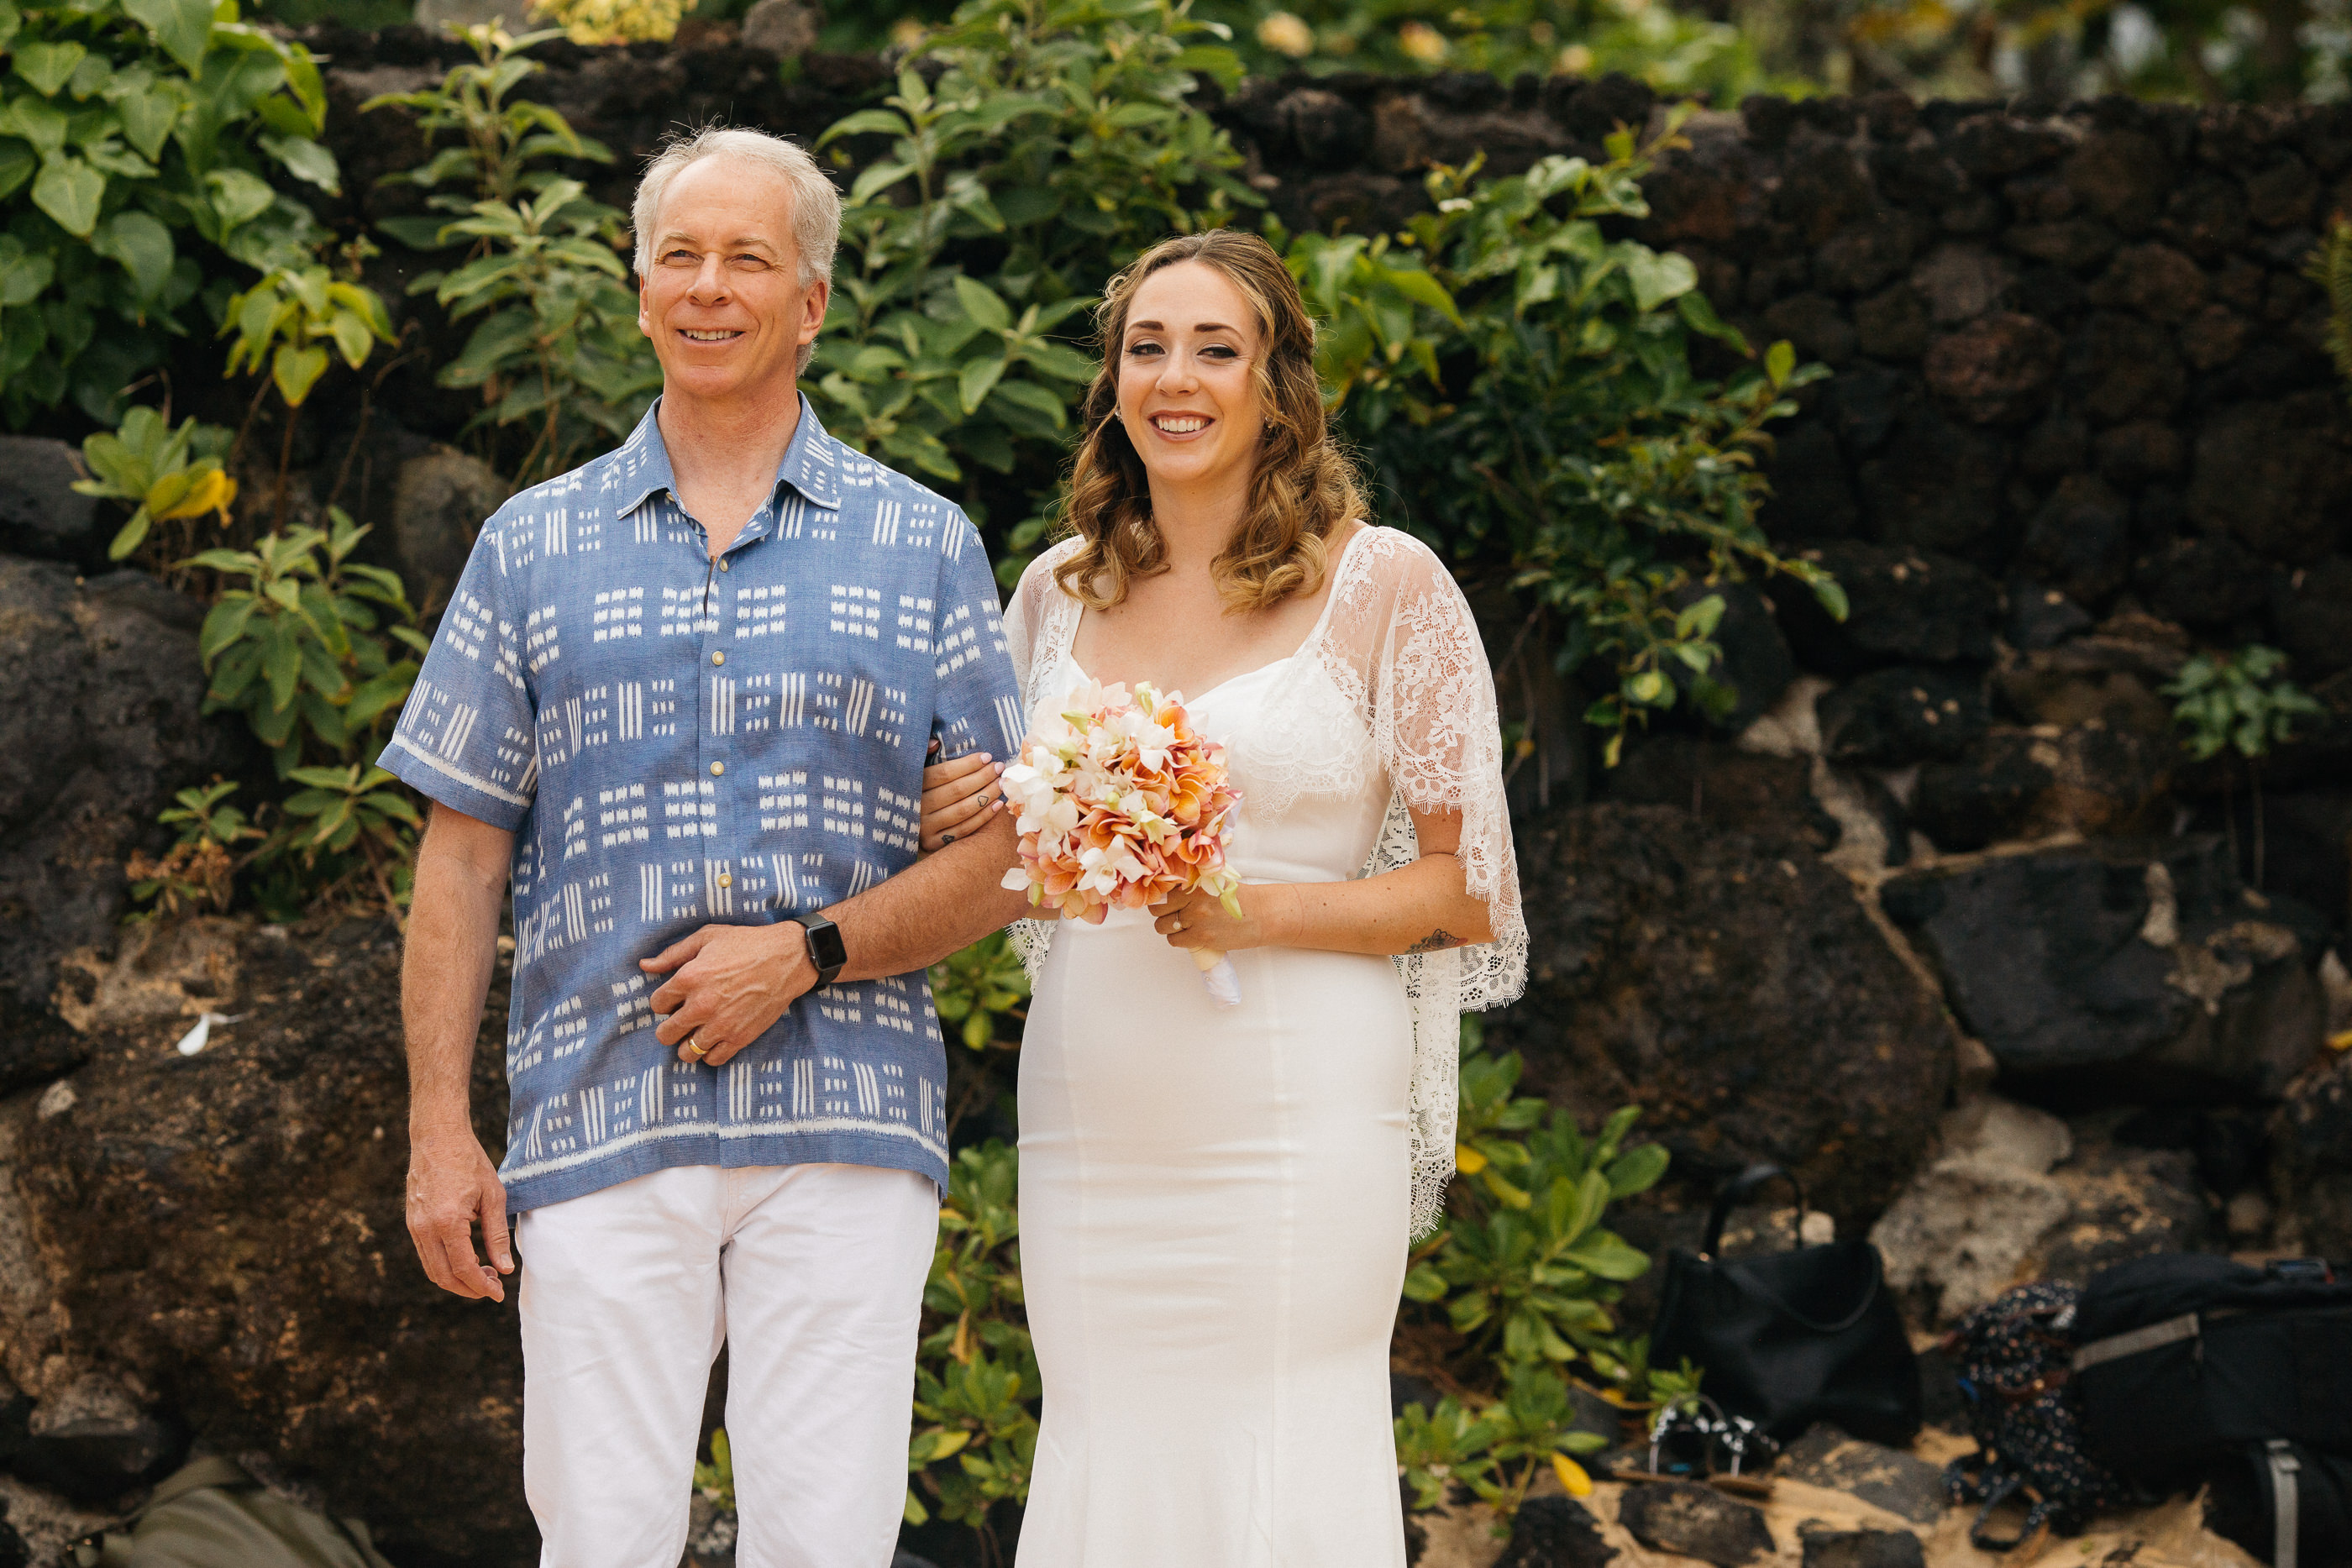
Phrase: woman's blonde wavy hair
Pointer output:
(1303, 489)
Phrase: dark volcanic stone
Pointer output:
(1969, 804)
(1894, 717)
(2154, 280)
(1329, 132)
(2120, 366)
(1815, 325)
(2140, 453)
(2091, 780)
(1555, 1533)
(2274, 475)
(2210, 582)
(104, 723)
(1863, 1549)
(1935, 484)
(1725, 788)
(1733, 985)
(2311, 1161)
(1905, 606)
(1696, 1521)
(1812, 494)
(1962, 282)
(2313, 616)
(2081, 538)
(40, 514)
(2121, 176)
(1995, 371)
(2206, 217)
(2043, 616)
(2212, 338)
(1892, 324)
(275, 1301)
(2118, 967)
(97, 1458)
(2073, 244)
(1882, 1477)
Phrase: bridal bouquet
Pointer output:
(1122, 804)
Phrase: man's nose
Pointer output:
(709, 282)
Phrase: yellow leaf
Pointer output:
(210, 493)
(1571, 1476)
(2340, 1041)
(1468, 1160)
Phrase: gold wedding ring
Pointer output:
(694, 1046)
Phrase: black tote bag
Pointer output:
(1790, 1338)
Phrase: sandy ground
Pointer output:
(2170, 1536)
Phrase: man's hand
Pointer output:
(726, 984)
(452, 1186)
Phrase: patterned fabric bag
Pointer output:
(2014, 1358)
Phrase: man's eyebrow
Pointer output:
(741, 242)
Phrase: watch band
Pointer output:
(826, 950)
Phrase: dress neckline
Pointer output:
(1330, 598)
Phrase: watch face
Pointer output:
(827, 948)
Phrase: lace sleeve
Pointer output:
(1402, 642)
(1037, 627)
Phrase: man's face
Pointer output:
(721, 298)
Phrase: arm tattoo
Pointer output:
(1436, 941)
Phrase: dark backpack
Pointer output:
(2014, 1359)
(2184, 1357)
(2288, 1505)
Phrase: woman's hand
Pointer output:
(958, 798)
(1197, 921)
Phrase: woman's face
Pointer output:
(1187, 394)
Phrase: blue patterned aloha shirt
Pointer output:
(675, 741)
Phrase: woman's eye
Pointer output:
(1138, 349)
(1219, 351)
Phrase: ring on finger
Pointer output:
(694, 1046)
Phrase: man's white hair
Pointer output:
(816, 204)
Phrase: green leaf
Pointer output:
(9, 20)
(17, 165)
(306, 160)
(23, 273)
(183, 27)
(148, 116)
(238, 196)
(1637, 1170)
(866, 123)
(296, 370)
(355, 337)
(1779, 360)
(128, 538)
(981, 305)
(142, 245)
(69, 191)
(223, 625)
(47, 67)
(972, 386)
(281, 662)
(1656, 276)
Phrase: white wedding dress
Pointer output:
(1216, 1202)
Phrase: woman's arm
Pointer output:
(1419, 908)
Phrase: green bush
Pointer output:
(135, 139)
(1576, 452)
(557, 356)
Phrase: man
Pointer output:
(683, 694)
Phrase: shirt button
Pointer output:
(726, 879)
(718, 657)
(722, 566)
(717, 768)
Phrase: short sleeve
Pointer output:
(466, 734)
(976, 704)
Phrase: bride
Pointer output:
(1215, 1203)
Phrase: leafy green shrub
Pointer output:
(1578, 454)
(976, 1380)
(134, 136)
(614, 21)
(2239, 702)
(166, 474)
(1499, 1449)
(1057, 141)
(201, 867)
(978, 986)
(297, 647)
(557, 352)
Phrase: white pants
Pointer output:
(812, 1276)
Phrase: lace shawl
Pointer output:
(1399, 641)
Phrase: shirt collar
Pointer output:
(811, 464)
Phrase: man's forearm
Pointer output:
(452, 931)
(943, 903)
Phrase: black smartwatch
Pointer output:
(826, 951)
